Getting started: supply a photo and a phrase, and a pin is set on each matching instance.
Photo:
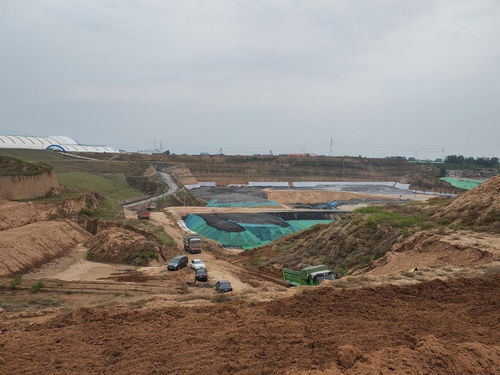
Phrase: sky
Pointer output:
(379, 77)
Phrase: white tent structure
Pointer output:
(57, 143)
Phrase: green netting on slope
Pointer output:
(299, 225)
(255, 235)
(216, 203)
(245, 239)
(465, 184)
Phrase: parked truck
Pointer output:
(312, 275)
(143, 215)
(192, 244)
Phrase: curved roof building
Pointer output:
(58, 143)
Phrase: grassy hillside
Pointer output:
(369, 233)
(354, 241)
(10, 166)
(112, 186)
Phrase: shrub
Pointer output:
(37, 286)
(14, 283)
(87, 212)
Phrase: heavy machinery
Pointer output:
(192, 244)
(312, 275)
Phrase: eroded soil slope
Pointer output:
(435, 327)
(124, 245)
(28, 246)
(479, 206)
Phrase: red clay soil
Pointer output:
(430, 328)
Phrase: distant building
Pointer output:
(55, 143)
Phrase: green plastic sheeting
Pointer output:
(465, 184)
(215, 203)
(253, 236)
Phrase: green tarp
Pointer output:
(253, 236)
(460, 183)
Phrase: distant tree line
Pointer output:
(460, 159)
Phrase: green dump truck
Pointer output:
(312, 275)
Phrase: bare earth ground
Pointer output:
(437, 327)
(98, 318)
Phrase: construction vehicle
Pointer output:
(192, 244)
(151, 206)
(312, 275)
(143, 215)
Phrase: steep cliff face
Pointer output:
(28, 246)
(33, 233)
(29, 187)
(16, 214)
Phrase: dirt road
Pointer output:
(217, 269)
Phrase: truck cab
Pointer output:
(192, 244)
(317, 278)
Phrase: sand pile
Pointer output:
(479, 207)
(318, 196)
(122, 245)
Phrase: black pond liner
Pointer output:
(221, 223)
(229, 222)
(256, 218)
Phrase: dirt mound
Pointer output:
(424, 249)
(479, 207)
(183, 175)
(429, 355)
(122, 245)
(435, 327)
(26, 247)
(317, 196)
(343, 245)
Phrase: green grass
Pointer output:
(162, 236)
(10, 166)
(33, 155)
(15, 282)
(374, 216)
(157, 230)
(287, 246)
(112, 186)
(37, 286)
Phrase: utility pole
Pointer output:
(331, 146)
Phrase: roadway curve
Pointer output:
(172, 188)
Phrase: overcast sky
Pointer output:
(380, 77)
